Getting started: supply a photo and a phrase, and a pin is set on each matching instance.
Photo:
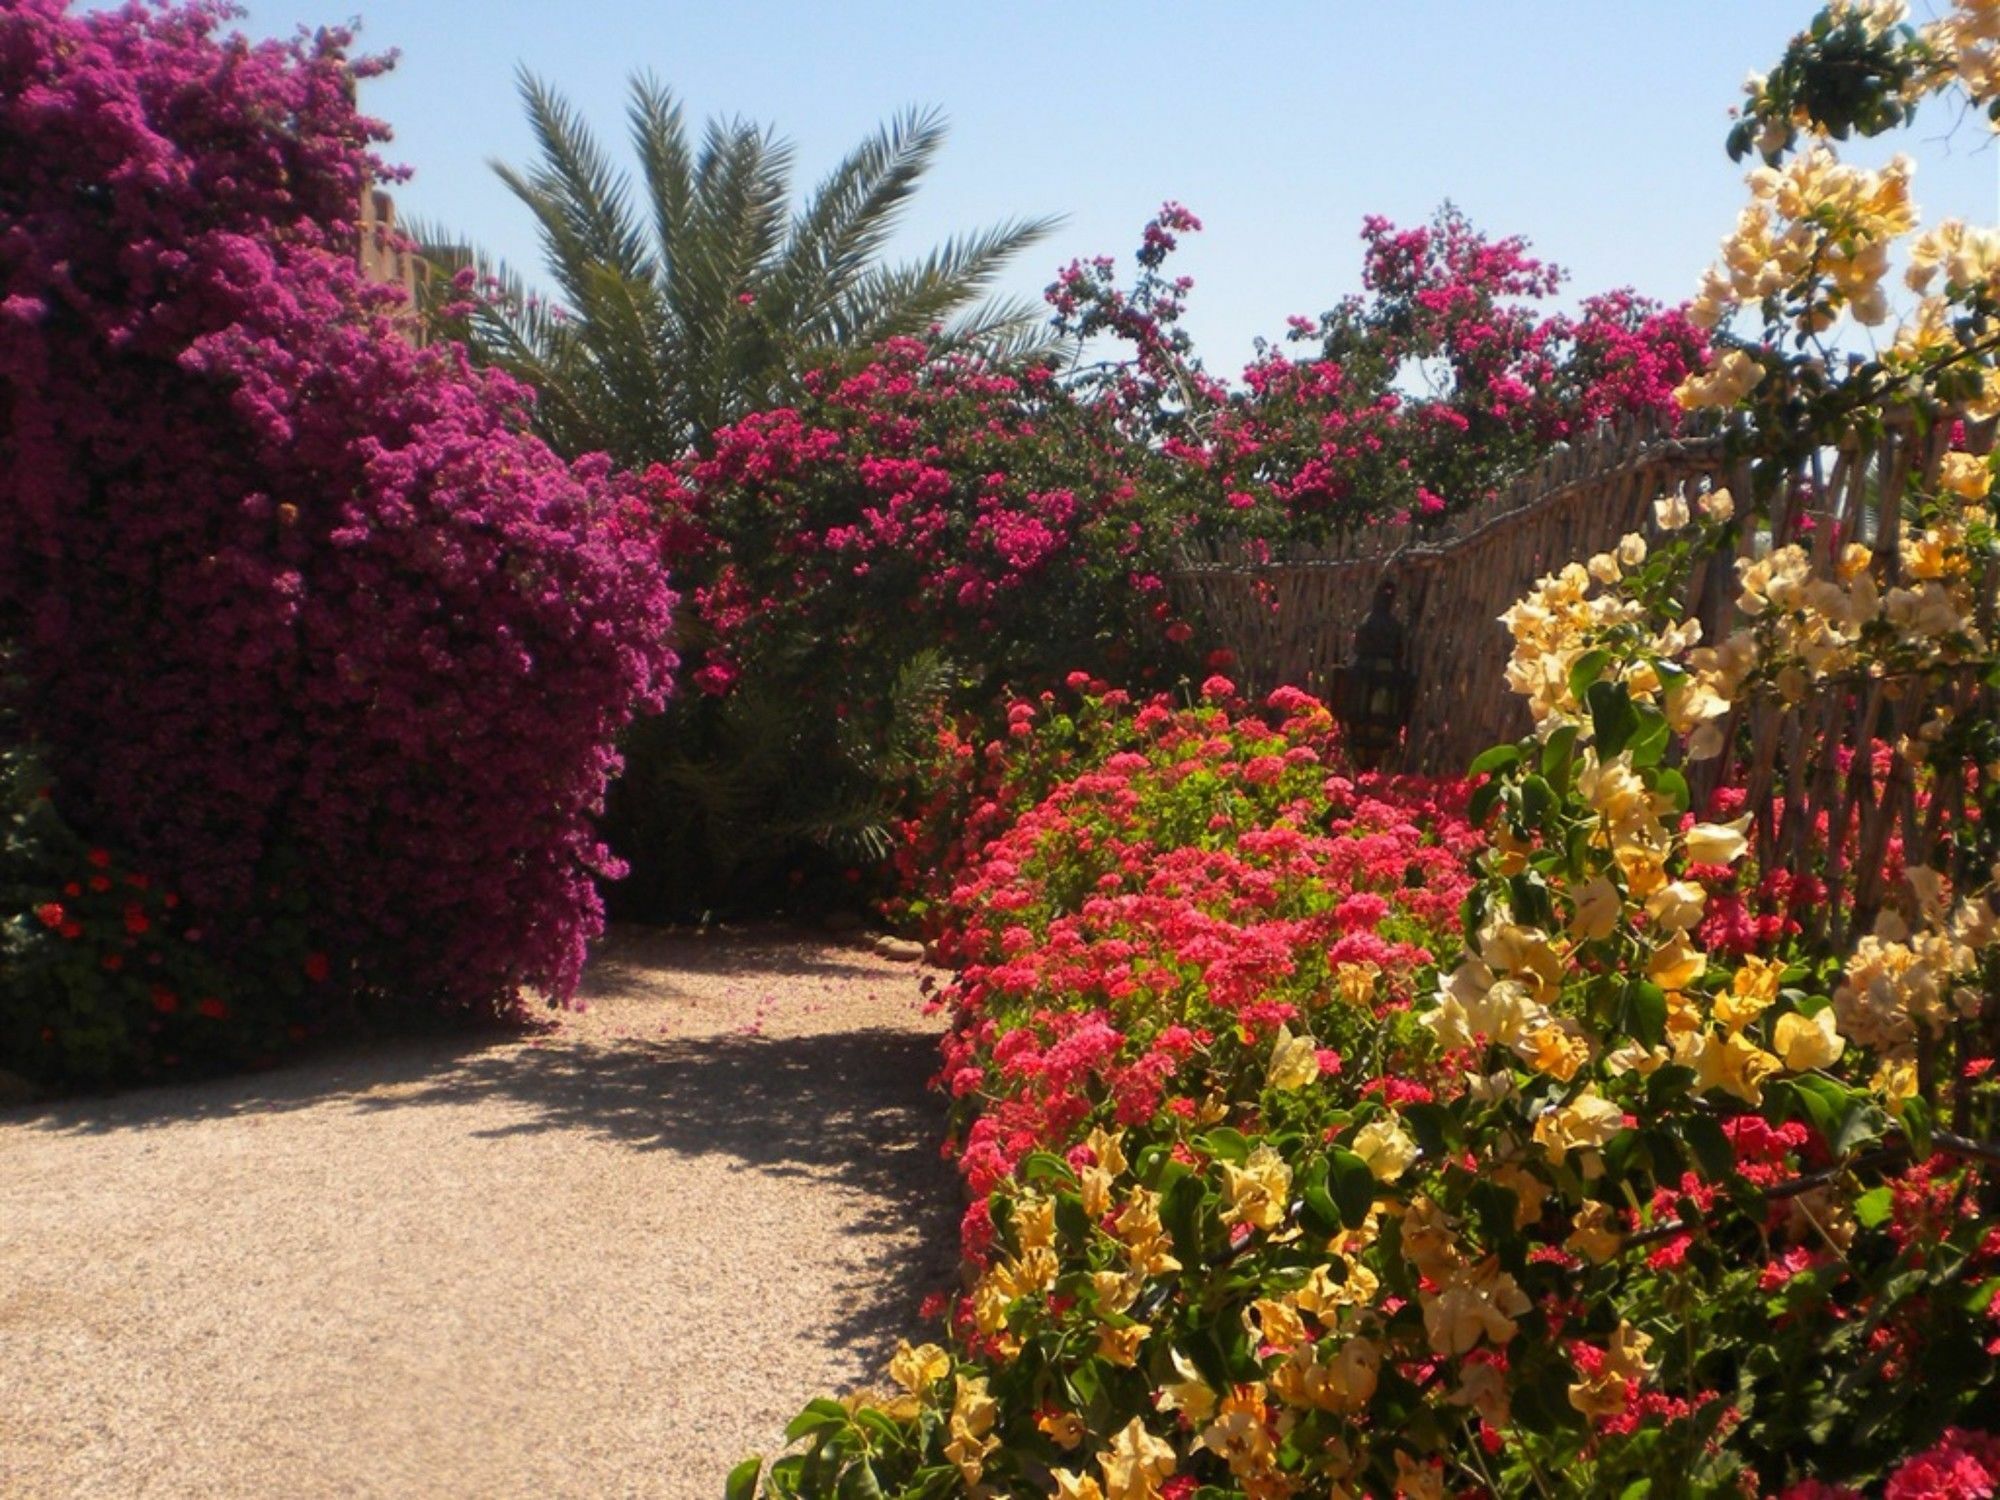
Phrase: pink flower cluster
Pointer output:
(914, 501)
(1323, 441)
(292, 605)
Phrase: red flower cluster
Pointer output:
(1188, 882)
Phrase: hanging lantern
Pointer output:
(1375, 690)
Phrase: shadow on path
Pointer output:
(850, 1109)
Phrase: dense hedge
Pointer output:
(308, 636)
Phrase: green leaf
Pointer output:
(1045, 1166)
(1317, 1210)
(819, 1416)
(1557, 756)
(1180, 1211)
(1428, 1125)
(1071, 1220)
(1481, 803)
(1589, 667)
(1353, 1186)
(1613, 719)
(1711, 1147)
(1538, 799)
(1650, 737)
(1646, 1012)
(1494, 759)
(1205, 1350)
(1874, 1207)
(1672, 785)
(742, 1481)
(1225, 1144)
(859, 1483)
(1915, 1119)
(1823, 1102)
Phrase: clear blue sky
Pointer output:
(1593, 128)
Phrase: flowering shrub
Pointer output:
(1262, 1207)
(920, 533)
(1664, 1184)
(1315, 444)
(305, 628)
(108, 973)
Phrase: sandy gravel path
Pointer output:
(607, 1262)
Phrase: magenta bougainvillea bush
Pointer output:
(916, 533)
(305, 631)
(1420, 395)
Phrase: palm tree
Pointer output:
(665, 326)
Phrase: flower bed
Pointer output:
(1264, 1203)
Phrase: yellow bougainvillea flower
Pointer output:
(1529, 1191)
(916, 1370)
(1475, 1302)
(1676, 963)
(1071, 1486)
(1147, 1248)
(1258, 1190)
(1323, 1297)
(1598, 904)
(1603, 1394)
(1896, 1082)
(1965, 475)
(1737, 1066)
(1726, 382)
(1035, 1221)
(1806, 1042)
(973, 1413)
(1344, 1383)
(1484, 1388)
(990, 1302)
(1718, 843)
(1552, 1051)
(1386, 1147)
(1677, 906)
(1355, 982)
(1598, 1396)
(1239, 1434)
(1430, 1239)
(1275, 1323)
(1094, 1186)
(1418, 1479)
(1189, 1394)
(1066, 1430)
(1585, 1123)
(1108, 1148)
(1526, 953)
(1593, 1237)
(1112, 1292)
(1752, 989)
(1135, 1464)
(1475, 1008)
(1294, 1061)
(1120, 1346)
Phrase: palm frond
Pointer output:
(659, 133)
(911, 298)
(577, 178)
(853, 213)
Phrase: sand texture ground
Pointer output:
(605, 1262)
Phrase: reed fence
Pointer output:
(1826, 785)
